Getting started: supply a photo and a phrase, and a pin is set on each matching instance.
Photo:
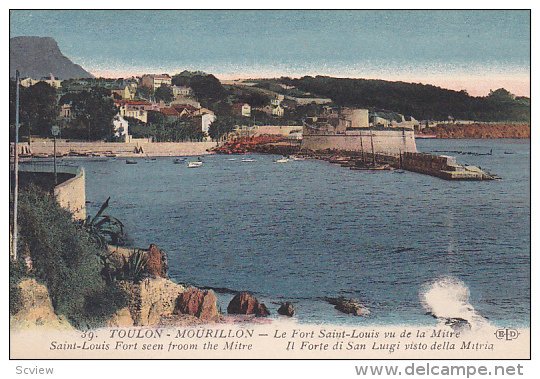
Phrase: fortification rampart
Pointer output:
(386, 142)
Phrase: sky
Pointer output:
(472, 50)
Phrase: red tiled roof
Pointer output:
(181, 107)
(131, 102)
(169, 112)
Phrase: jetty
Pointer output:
(441, 166)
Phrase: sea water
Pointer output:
(306, 230)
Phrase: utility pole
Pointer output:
(372, 148)
(16, 171)
(55, 130)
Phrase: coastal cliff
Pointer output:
(479, 130)
(36, 309)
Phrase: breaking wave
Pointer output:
(447, 299)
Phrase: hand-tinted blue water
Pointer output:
(306, 230)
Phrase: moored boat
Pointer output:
(194, 164)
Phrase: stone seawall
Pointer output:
(443, 166)
(71, 193)
(386, 142)
(123, 149)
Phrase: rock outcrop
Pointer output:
(198, 303)
(245, 303)
(36, 309)
(121, 319)
(156, 262)
(151, 299)
(286, 309)
(349, 306)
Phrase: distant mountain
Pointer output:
(37, 57)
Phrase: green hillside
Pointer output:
(418, 100)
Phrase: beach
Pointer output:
(119, 149)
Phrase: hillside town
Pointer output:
(153, 101)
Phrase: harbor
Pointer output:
(371, 226)
(441, 166)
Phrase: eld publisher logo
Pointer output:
(506, 334)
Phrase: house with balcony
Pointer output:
(134, 108)
(155, 81)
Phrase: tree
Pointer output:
(423, 102)
(164, 93)
(255, 99)
(207, 88)
(155, 117)
(221, 127)
(144, 92)
(501, 94)
(94, 111)
(38, 109)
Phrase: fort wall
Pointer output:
(387, 142)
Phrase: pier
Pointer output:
(441, 166)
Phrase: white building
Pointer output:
(278, 111)
(155, 81)
(121, 127)
(51, 80)
(277, 100)
(181, 91)
(242, 109)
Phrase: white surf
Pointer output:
(448, 298)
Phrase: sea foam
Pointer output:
(447, 298)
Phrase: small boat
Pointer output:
(382, 167)
(194, 164)
(231, 159)
(297, 158)
(179, 160)
(282, 160)
(508, 152)
(425, 136)
(248, 160)
(110, 155)
(399, 171)
(131, 161)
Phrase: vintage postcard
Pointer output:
(270, 184)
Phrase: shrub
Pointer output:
(17, 271)
(66, 259)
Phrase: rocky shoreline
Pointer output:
(156, 300)
(478, 131)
